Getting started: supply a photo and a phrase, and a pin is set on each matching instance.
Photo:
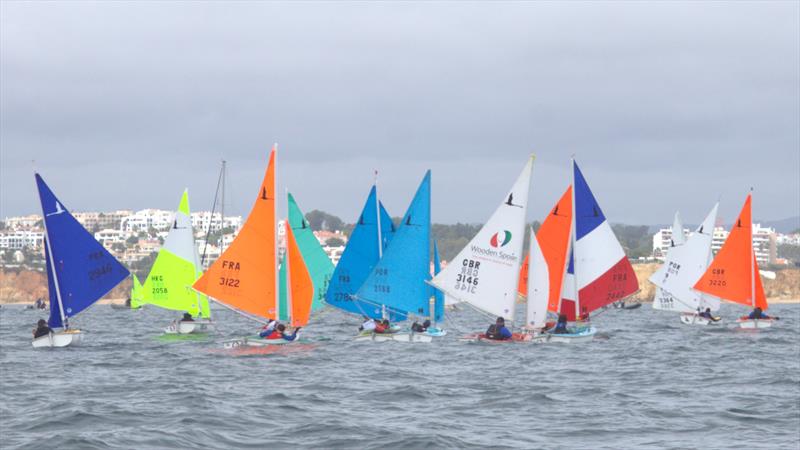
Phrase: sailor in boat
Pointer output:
(128, 302)
(383, 327)
(187, 318)
(707, 315)
(40, 304)
(498, 331)
(41, 329)
(368, 325)
(561, 325)
(279, 332)
(417, 328)
(268, 328)
(759, 314)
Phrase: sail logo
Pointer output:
(59, 210)
(500, 239)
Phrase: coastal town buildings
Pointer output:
(764, 242)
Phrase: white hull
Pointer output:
(256, 341)
(586, 335)
(399, 337)
(59, 339)
(752, 324)
(180, 327)
(694, 319)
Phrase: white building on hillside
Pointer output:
(19, 239)
(763, 242)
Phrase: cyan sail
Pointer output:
(79, 269)
(319, 266)
(360, 256)
(398, 280)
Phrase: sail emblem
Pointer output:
(510, 201)
(500, 239)
(59, 210)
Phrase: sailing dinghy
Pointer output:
(245, 277)
(485, 273)
(176, 268)
(80, 270)
(686, 261)
(598, 273)
(397, 286)
(733, 275)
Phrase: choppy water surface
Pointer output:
(646, 381)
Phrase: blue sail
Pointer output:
(84, 271)
(359, 257)
(439, 295)
(398, 280)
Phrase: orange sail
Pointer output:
(733, 275)
(554, 238)
(522, 286)
(244, 276)
(301, 287)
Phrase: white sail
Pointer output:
(682, 268)
(485, 273)
(678, 236)
(538, 286)
(663, 300)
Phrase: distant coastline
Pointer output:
(25, 286)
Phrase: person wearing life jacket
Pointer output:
(41, 329)
(498, 331)
(758, 313)
(368, 325)
(707, 315)
(383, 327)
(268, 328)
(417, 328)
(561, 325)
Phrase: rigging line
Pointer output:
(211, 218)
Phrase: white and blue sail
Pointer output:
(369, 239)
(397, 286)
(80, 270)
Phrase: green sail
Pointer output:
(319, 265)
(136, 293)
(176, 268)
(283, 304)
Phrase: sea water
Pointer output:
(646, 381)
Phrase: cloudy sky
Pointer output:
(665, 105)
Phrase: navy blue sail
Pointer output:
(79, 269)
(360, 256)
(398, 281)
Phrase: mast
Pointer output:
(378, 216)
(222, 204)
(288, 277)
(752, 255)
(572, 247)
(274, 224)
(54, 275)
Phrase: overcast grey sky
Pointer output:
(666, 105)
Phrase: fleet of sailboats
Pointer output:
(574, 266)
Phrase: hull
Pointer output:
(180, 327)
(694, 319)
(515, 337)
(399, 337)
(256, 341)
(752, 324)
(59, 339)
(581, 335)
